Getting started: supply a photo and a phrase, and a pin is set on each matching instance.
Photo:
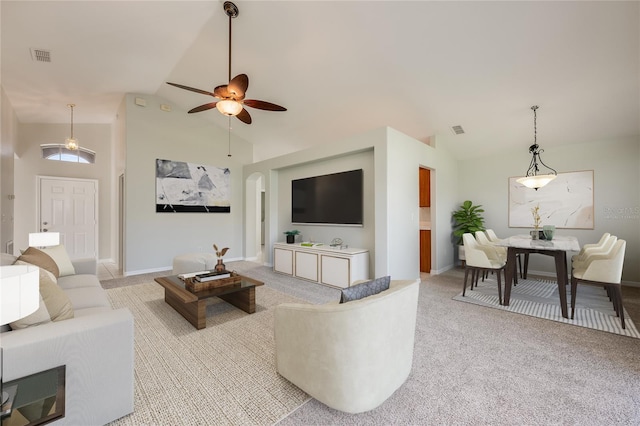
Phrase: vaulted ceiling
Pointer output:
(340, 68)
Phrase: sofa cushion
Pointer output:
(54, 303)
(61, 257)
(77, 281)
(88, 297)
(34, 256)
(365, 289)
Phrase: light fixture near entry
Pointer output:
(532, 179)
(71, 143)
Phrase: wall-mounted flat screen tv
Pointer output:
(328, 199)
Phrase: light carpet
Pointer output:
(224, 374)
(539, 298)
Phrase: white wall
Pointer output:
(153, 239)
(395, 234)
(9, 137)
(29, 164)
(616, 174)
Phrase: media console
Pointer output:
(322, 264)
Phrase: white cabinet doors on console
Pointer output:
(323, 264)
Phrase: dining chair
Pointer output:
(602, 269)
(591, 247)
(491, 235)
(604, 249)
(479, 259)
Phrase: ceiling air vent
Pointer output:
(457, 130)
(40, 55)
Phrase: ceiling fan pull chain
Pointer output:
(229, 149)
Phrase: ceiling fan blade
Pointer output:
(239, 85)
(204, 92)
(253, 103)
(244, 116)
(203, 107)
(222, 92)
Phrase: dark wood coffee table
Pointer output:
(192, 305)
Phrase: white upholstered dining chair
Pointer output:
(491, 235)
(480, 259)
(602, 269)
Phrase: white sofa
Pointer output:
(350, 356)
(96, 346)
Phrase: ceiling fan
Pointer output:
(231, 96)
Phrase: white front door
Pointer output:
(70, 206)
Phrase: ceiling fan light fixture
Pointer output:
(532, 179)
(71, 143)
(229, 107)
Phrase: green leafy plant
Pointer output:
(467, 220)
(294, 232)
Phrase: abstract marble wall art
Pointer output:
(194, 188)
(566, 202)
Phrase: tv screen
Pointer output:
(328, 199)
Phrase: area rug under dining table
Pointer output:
(224, 374)
(539, 298)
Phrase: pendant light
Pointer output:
(71, 142)
(532, 179)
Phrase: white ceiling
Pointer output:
(341, 68)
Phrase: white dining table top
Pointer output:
(559, 242)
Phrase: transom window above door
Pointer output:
(58, 152)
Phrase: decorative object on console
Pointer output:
(291, 235)
(220, 267)
(532, 179)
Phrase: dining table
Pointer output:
(556, 247)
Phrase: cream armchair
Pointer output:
(350, 356)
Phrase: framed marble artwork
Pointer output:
(183, 187)
(566, 202)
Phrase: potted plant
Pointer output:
(467, 220)
(291, 236)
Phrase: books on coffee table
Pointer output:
(210, 276)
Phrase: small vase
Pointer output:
(220, 267)
(535, 234)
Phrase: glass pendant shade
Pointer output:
(229, 107)
(71, 143)
(535, 182)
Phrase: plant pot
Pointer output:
(291, 239)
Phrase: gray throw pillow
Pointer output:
(363, 290)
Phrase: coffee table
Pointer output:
(192, 305)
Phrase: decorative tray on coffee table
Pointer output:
(194, 285)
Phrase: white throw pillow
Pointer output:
(61, 257)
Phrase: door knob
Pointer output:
(45, 230)
(44, 223)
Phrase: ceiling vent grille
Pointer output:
(41, 55)
(457, 130)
